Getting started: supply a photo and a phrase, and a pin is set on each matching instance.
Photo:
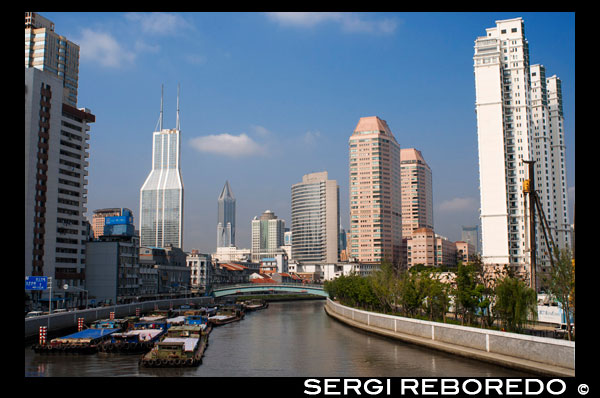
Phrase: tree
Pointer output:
(384, 283)
(515, 301)
(468, 291)
(561, 282)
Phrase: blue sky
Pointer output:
(267, 98)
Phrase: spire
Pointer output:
(177, 124)
(226, 193)
(161, 107)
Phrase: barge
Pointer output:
(227, 314)
(254, 305)
(140, 339)
(182, 346)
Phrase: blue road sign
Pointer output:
(36, 282)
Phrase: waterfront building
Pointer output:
(226, 218)
(465, 252)
(515, 106)
(315, 219)
(421, 247)
(56, 161)
(48, 51)
(200, 266)
(113, 273)
(161, 195)
(417, 191)
(231, 253)
(99, 216)
(172, 271)
(375, 202)
(267, 236)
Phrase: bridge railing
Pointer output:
(240, 285)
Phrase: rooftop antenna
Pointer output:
(161, 107)
(177, 125)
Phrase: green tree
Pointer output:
(515, 301)
(384, 282)
(468, 292)
(561, 282)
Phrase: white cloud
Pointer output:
(158, 23)
(227, 144)
(349, 22)
(260, 130)
(104, 49)
(459, 204)
(310, 137)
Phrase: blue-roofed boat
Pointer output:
(140, 339)
(85, 341)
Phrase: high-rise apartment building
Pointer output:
(48, 51)
(56, 160)
(161, 196)
(267, 236)
(514, 114)
(375, 202)
(226, 218)
(315, 219)
(417, 191)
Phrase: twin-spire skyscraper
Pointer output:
(161, 196)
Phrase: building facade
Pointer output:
(55, 54)
(417, 191)
(315, 219)
(513, 126)
(99, 216)
(200, 266)
(161, 195)
(226, 218)
(56, 161)
(375, 201)
(267, 236)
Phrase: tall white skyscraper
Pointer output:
(315, 219)
(161, 196)
(514, 115)
(226, 218)
(267, 236)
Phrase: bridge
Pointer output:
(270, 288)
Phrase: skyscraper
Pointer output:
(514, 114)
(267, 236)
(48, 51)
(315, 219)
(56, 160)
(161, 196)
(417, 191)
(226, 218)
(375, 208)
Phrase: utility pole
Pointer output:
(529, 190)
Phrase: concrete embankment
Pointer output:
(539, 355)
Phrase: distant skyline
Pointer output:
(269, 97)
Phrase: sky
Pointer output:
(269, 97)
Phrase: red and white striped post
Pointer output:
(112, 315)
(79, 324)
(138, 311)
(43, 331)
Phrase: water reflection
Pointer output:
(287, 339)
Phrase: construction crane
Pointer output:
(535, 204)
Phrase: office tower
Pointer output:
(48, 51)
(375, 208)
(470, 235)
(226, 218)
(267, 236)
(513, 125)
(161, 196)
(315, 219)
(56, 160)
(417, 191)
(99, 216)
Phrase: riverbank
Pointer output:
(537, 355)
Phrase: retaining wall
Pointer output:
(510, 349)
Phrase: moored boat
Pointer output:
(254, 304)
(182, 346)
(227, 314)
(140, 339)
(82, 342)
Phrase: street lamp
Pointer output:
(66, 287)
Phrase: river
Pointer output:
(294, 338)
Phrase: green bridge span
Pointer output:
(221, 291)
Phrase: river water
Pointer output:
(294, 338)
